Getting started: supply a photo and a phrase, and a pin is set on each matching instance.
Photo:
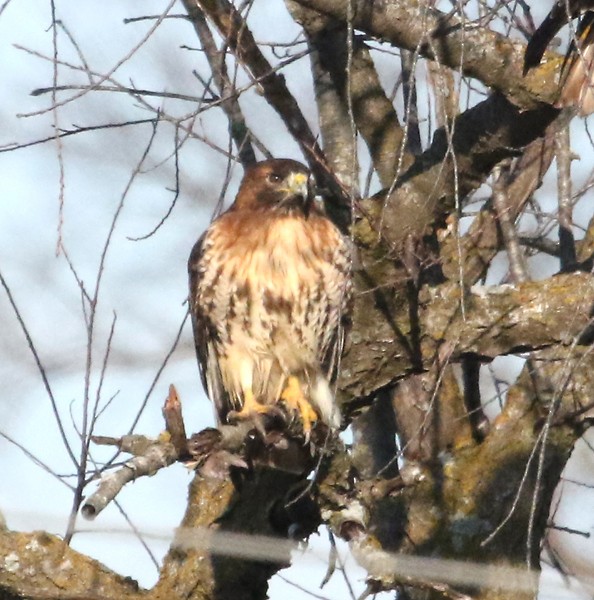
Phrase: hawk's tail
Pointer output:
(324, 402)
(577, 75)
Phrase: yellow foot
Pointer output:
(251, 409)
(296, 401)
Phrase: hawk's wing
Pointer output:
(334, 350)
(547, 30)
(576, 73)
(205, 336)
(562, 12)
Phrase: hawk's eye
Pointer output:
(274, 178)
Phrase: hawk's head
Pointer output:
(281, 185)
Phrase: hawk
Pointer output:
(269, 297)
(577, 76)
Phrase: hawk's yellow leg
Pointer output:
(250, 407)
(295, 400)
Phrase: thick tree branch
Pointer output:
(373, 113)
(261, 507)
(39, 566)
(479, 52)
(468, 498)
(323, 34)
(430, 411)
(409, 62)
(497, 320)
(483, 136)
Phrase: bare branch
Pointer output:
(428, 190)
(533, 315)
(480, 52)
(42, 372)
(40, 566)
(230, 104)
(241, 41)
(68, 132)
(517, 260)
(123, 90)
(481, 243)
(327, 42)
(105, 77)
(563, 153)
(149, 457)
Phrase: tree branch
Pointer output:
(40, 566)
(323, 34)
(478, 51)
(150, 456)
(567, 250)
(483, 136)
(480, 244)
(498, 320)
(236, 33)
(230, 104)
(262, 507)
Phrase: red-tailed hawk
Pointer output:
(577, 73)
(269, 296)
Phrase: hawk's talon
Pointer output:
(297, 402)
(254, 411)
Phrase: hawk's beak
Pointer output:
(298, 185)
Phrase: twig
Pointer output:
(56, 126)
(68, 132)
(234, 30)
(36, 460)
(174, 422)
(331, 559)
(175, 190)
(105, 77)
(4, 6)
(158, 373)
(129, 20)
(567, 251)
(123, 90)
(177, 121)
(96, 410)
(149, 456)
(87, 424)
(230, 104)
(138, 534)
(517, 260)
(42, 372)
